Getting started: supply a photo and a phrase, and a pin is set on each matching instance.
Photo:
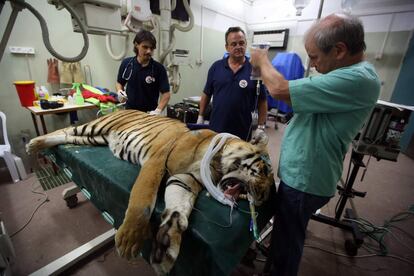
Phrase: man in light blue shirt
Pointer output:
(329, 111)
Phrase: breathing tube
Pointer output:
(205, 171)
(214, 191)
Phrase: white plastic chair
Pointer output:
(13, 162)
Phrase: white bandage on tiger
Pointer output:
(166, 147)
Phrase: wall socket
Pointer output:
(22, 50)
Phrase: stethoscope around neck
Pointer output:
(126, 75)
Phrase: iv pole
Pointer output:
(319, 17)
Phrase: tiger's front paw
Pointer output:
(167, 243)
(130, 237)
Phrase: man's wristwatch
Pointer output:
(262, 127)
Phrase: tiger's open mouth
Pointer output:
(233, 188)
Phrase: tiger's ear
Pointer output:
(259, 138)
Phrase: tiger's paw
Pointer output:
(35, 145)
(167, 243)
(130, 237)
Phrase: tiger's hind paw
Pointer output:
(35, 145)
(167, 243)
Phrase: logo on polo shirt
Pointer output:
(243, 83)
(149, 79)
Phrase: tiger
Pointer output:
(166, 148)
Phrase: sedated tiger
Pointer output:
(166, 147)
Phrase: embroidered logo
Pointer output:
(243, 83)
(149, 79)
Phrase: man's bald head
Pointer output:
(338, 28)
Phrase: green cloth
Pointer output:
(211, 245)
(329, 111)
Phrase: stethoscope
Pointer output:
(126, 75)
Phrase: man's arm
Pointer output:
(276, 84)
(119, 86)
(204, 101)
(165, 98)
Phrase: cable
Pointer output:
(378, 233)
(360, 256)
(45, 31)
(108, 43)
(231, 216)
(46, 199)
(339, 254)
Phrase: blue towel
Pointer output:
(192, 126)
(290, 66)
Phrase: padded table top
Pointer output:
(213, 244)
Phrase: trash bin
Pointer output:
(26, 92)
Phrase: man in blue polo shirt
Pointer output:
(234, 95)
(143, 78)
(329, 111)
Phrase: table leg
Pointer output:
(43, 124)
(35, 124)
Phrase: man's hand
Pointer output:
(259, 135)
(200, 120)
(155, 112)
(122, 97)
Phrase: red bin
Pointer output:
(26, 92)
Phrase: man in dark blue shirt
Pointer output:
(234, 95)
(143, 78)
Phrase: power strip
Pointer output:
(22, 50)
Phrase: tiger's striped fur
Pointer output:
(164, 146)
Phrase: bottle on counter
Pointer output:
(79, 100)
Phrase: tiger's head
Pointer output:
(246, 167)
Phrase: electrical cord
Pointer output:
(351, 257)
(46, 199)
(360, 256)
(230, 216)
(378, 233)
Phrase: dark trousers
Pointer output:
(293, 209)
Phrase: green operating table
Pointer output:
(212, 244)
